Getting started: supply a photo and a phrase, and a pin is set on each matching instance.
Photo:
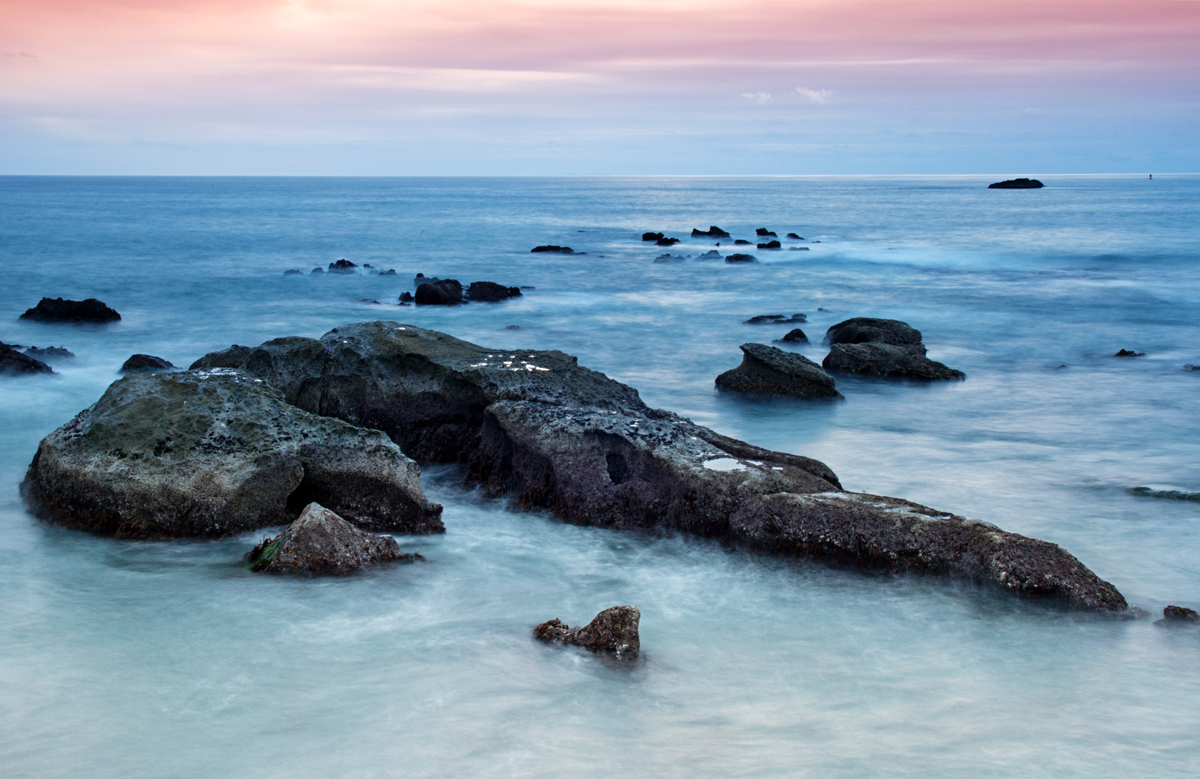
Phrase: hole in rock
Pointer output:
(304, 494)
(618, 468)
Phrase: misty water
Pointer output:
(170, 659)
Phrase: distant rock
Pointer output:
(552, 249)
(1017, 184)
(766, 370)
(49, 353)
(368, 265)
(711, 254)
(798, 248)
(233, 357)
(886, 348)
(60, 310)
(144, 363)
(770, 245)
(13, 363)
(652, 236)
(293, 272)
(662, 258)
(1128, 353)
(740, 258)
(775, 319)
(1146, 492)
(763, 232)
(796, 336)
(405, 298)
(666, 241)
(315, 271)
(369, 301)
(1180, 615)
(321, 542)
(490, 292)
(794, 237)
(740, 242)
(388, 272)
(447, 292)
(342, 266)
(613, 631)
(712, 232)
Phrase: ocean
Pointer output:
(170, 659)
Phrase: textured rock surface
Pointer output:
(49, 353)
(214, 453)
(1180, 615)
(233, 357)
(490, 292)
(766, 370)
(861, 330)
(613, 630)
(13, 363)
(60, 310)
(537, 426)
(321, 542)
(139, 363)
(885, 348)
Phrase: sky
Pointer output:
(598, 87)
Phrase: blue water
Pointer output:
(170, 660)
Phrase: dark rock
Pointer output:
(1191, 367)
(59, 310)
(421, 278)
(668, 258)
(214, 453)
(49, 353)
(490, 292)
(794, 237)
(712, 232)
(861, 330)
(887, 361)
(740, 258)
(321, 542)
(233, 357)
(763, 232)
(766, 370)
(536, 426)
(1017, 184)
(447, 292)
(293, 272)
(139, 363)
(1180, 615)
(613, 630)
(512, 327)
(405, 298)
(1146, 492)
(798, 248)
(315, 271)
(13, 363)
(369, 301)
(796, 336)
(552, 249)
(666, 242)
(342, 266)
(1127, 353)
(652, 236)
(388, 272)
(770, 245)
(775, 319)
(711, 254)
(740, 242)
(368, 265)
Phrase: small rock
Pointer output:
(342, 266)
(770, 245)
(666, 242)
(775, 319)
(740, 242)
(490, 292)
(1017, 184)
(49, 353)
(712, 232)
(369, 301)
(512, 327)
(887, 361)
(388, 272)
(552, 249)
(766, 370)
(368, 265)
(60, 310)
(712, 254)
(13, 363)
(740, 258)
(1146, 492)
(293, 272)
(794, 237)
(145, 363)
(406, 298)
(796, 336)
(421, 278)
(1179, 615)
(613, 630)
(798, 248)
(321, 542)
(763, 232)
(652, 236)
(1128, 353)
(315, 271)
(447, 292)
(233, 357)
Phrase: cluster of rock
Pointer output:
(341, 267)
(884, 348)
(612, 631)
(450, 292)
(661, 239)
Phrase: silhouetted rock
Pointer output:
(316, 271)
(740, 242)
(666, 241)
(770, 245)
(712, 232)
(60, 310)
(321, 542)
(13, 363)
(49, 353)
(1128, 353)
(711, 254)
(142, 363)
(388, 272)
(293, 272)
(794, 237)
(342, 266)
(613, 630)
(1017, 184)
(796, 336)
(740, 258)
(766, 370)
(233, 357)
(763, 232)
(552, 249)
(652, 236)
(775, 319)
(446, 292)
(406, 297)
(490, 292)
(662, 258)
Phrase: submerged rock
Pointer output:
(740, 242)
(666, 241)
(766, 370)
(316, 271)
(1146, 492)
(1128, 353)
(664, 258)
(886, 348)
(712, 232)
(770, 245)
(321, 542)
(763, 232)
(490, 292)
(49, 353)
(1017, 184)
(142, 363)
(13, 363)
(293, 272)
(446, 292)
(711, 254)
(614, 630)
(342, 266)
(794, 237)
(552, 249)
(652, 236)
(168, 455)
(59, 310)
(740, 258)
(796, 336)
(1180, 615)
(776, 319)
(537, 426)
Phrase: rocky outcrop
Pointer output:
(538, 427)
(49, 353)
(1129, 353)
(664, 241)
(613, 630)
(763, 232)
(59, 310)
(1146, 492)
(652, 236)
(316, 271)
(740, 242)
(233, 357)
(552, 249)
(886, 348)
(445, 292)
(490, 292)
(766, 370)
(740, 258)
(406, 298)
(342, 266)
(711, 254)
(321, 542)
(796, 336)
(143, 363)
(293, 272)
(665, 258)
(712, 232)
(794, 237)
(13, 363)
(213, 453)
(770, 245)
(1180, 615)
(1017, 184)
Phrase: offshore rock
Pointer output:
(652, 236)
(740, 258)
(796, 336)
(1017, 184)
(887, 361)
(552, 249)
(446, 292)
(59, 310)
(664, 241)
(141, 363)
(168, 455)
(342, 266)
(861, 330)
(763, 232)
(537, 426)
(712, 232)
(766, 370)
(613, 630)
(1180, 615)
(770, 245)
(13, 363)
(1129, 353)
(321, 542)
(490, 292)
(49, 353)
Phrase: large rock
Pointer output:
(886, 348)
(553, 435)
(59, 310)
(446, 292)
(613, 630)
(233, 357)
(13, 363)
(861, 330)
(766, 370)
(215, 453)
(321, 542)
(491, 292)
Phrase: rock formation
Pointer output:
(885, 348)
(59, 310)
(490, 292)
(444, 292)
(712, 232)
(766, 370)
(613, 630)
(1017, 184)
(13, 363)
(321, 542)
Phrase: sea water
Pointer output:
(170, 659)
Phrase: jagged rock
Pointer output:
(652, 236)
(766, 370)
(1179, 615)
(763, 232)
(59, 310)
(553, 435)
(1128, 353)
(614, 630)
(861, 330)
(49, 353)
(321, 542)
(770, 245)
(446, 292)
(666, 241)
(490, 292)
(552, 249)
(13, 363)
(712, 232)
(887, 361)
(140, 363)
(213, 453)
(233, 357)
(1017, 184)
(342, 266)
(293, 272)
(740, 258)
(796, 336)
(794, 237)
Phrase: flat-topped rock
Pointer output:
(491, 292)
(612, 631)
(766, 370)
(712, 232)
(213, 453)
(60, 310)
(1017, 184)
(861, 330)
(320, 542)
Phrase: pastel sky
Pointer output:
(397, 87)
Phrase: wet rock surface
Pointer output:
(13, 363)
(551, 434)
(612, 631)
(1180, 615)
(766, 370)
(444, 292)
(60, 310)
(796, 336)
(141, 363)
(490, 292)
(212, 453)
(884, 348)
(320, 542)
